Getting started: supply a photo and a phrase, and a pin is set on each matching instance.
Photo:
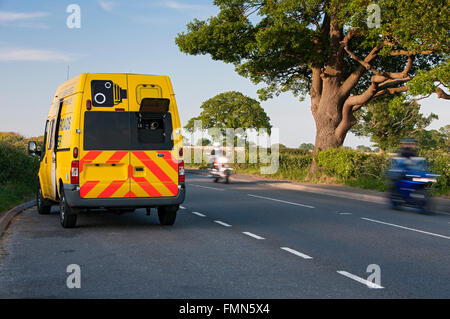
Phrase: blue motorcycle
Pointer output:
(411, 181)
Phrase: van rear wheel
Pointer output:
(67, 216)
(167, 214)
(43, 206)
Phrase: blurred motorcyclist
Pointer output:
(217, 155)
(408, 147)
(400, 164)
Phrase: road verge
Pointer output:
(7, 217)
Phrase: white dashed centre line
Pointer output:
(208, 187)
(198, 214)
(222, 223)
(407, 228)
(182, 207)
(281, 201)
(359, 279)
(252, 235)
(297, 253)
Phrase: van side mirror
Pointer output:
(33, 149)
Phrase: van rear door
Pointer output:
(104, 155)
(154, 168)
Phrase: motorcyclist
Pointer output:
(408, 148)
(401, 163)
(212, 159)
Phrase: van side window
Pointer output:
(44, 146)
(50, 140)
(57, 125)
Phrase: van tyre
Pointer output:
(167, 214)
(42, 204)
(67, 216)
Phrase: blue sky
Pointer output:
(132, 36)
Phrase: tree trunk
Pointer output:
(331, 125)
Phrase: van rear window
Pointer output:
(127, 131)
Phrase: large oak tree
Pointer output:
(326, 49)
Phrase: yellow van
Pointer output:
(112, 141)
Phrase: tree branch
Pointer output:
(408, 53)
(441, 94)
(364, 66)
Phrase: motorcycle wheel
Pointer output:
(425, 205)
(395, 202)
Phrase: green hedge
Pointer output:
(439, 161)
(354, 168)
(18, 175)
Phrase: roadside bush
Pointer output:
(18, 173)
(439, 161)
(348, 164)
(16, 166)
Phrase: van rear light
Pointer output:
(74, 169)
(181, 171)
(88, 105)
(75, 152)
(180, 152)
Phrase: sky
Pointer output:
(37, 49)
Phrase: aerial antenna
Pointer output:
(68, 68)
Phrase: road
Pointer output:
(241, 240)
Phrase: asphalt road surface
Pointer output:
(241, 240)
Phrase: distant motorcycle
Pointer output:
(220, 170)
(411, 183)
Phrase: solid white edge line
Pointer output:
(407, 228)
(252, 235)
(297, 253)
(222, 223)
(281, 201)
(359, 279)
(208, 187)
(198, 214)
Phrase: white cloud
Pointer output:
(106, 5)
(182, 6)
(23, 19)
(37, 55)
(9, 16)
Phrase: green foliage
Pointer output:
(16, 165)
(363, 148)
(231, 110)
(439, 161)
(203, 142)
(434, 139)
(278, 46)
(387, 119)
(306, 146)
(18, 170)
(347, 164)
(427, 81)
